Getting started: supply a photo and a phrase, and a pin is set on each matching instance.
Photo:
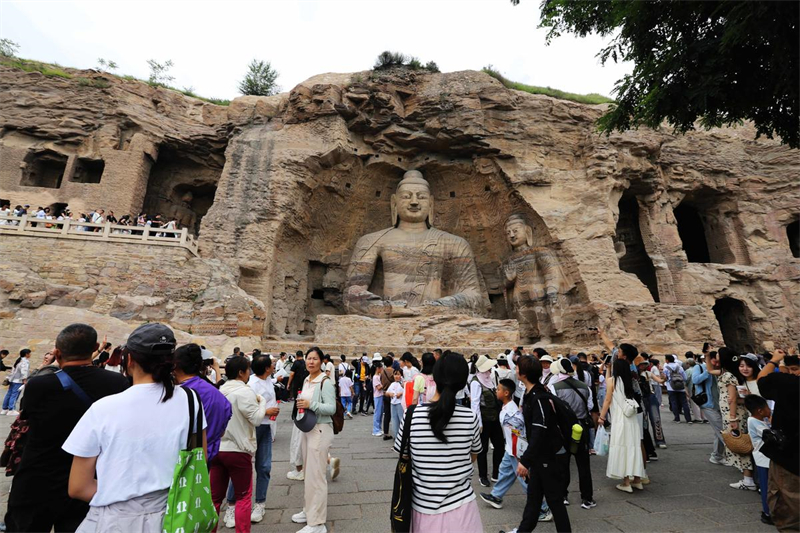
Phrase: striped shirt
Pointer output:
(442, 471)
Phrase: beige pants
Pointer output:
(316, 444)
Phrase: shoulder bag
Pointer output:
(189, 504)
(403, 482)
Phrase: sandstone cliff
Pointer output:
(669, 240)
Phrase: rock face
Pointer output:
(666, 241)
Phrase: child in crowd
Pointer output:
(395, 395)
(346, 392)
(514, 432)
(759, 421)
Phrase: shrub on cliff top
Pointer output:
(260, 79)
(387, 60)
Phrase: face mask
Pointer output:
(545, 372)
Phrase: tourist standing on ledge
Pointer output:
(127, 444)
(39, 499)
(319, 396)
(444, 441)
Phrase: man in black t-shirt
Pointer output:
(297, 374)
(39, 499)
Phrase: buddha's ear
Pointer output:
(431, 212)
(394, 210)
(529, 235)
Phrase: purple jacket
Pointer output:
(217, 409)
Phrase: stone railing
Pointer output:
(28, 226)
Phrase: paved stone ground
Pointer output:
(687, 493)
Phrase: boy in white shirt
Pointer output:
(346, 393)
(756, 424)
(395, 394)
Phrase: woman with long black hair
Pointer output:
(734, 414)
(444, 442)
(625, 460)
(132, 440)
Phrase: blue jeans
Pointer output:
(356, 394)
(763, 483)
(347, 403)
(377, 417)
(11, 396)
(263, 464)
(397, 417)
(508, 473)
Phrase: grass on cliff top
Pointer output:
(55, 70)
(592, 98)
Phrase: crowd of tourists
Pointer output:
(80, 465)
(49, 217)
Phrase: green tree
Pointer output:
(716, 62)
(8, 48)
(106, 64)
(159, 72)
(260, 79)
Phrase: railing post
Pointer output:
(145, 232)
(184, 235)
(65, 226)
(106, 230)
(23, 223)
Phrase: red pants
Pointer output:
(238, 467)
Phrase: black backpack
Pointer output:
(490, 406)
(565, 418)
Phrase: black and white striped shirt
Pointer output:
(442, 471)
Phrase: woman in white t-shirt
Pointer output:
(346, 392)
(132, 440)
(395, 395)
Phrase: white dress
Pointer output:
(624, 446)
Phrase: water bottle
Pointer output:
(577, 433)
(274, 417)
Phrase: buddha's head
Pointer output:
(518, 232)
(412, 201)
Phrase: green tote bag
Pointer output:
(190, 508)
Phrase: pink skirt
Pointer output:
(464, 519)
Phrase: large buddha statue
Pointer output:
(535, 285)
(425, 271)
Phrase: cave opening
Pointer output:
(733, 322)
(635, 259)
(793, 234)
(692, 233)
(43, 169)
(88, 170)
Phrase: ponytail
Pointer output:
(160, 367)
(450, 375)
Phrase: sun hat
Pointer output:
(376, 357)
(485, 363)
(306, 420)
(545, 359)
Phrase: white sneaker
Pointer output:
(296, 476)
(299, 518)
(258, 513)
(230, 517)
(335, 463)
(314, 529)
(715, 461)
(4, 411)
(13, 413)
(741, 485)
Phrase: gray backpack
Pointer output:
(676, 380)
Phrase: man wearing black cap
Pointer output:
(52, 407)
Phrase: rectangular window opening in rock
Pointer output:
(734, 324)
(321, 300)
(631, 252)
(182, 187)
(88, 170)
(710, 230)
(43, 168)
(793, 234)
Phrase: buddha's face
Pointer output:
(413, 202)
(516, 234)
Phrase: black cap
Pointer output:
(153, 338)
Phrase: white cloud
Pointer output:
(211, 43)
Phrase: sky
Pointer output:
(212, 42)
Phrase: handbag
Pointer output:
(739, 444)
(400, 517)
(189, 504)
(630, 407)
(700, 399)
